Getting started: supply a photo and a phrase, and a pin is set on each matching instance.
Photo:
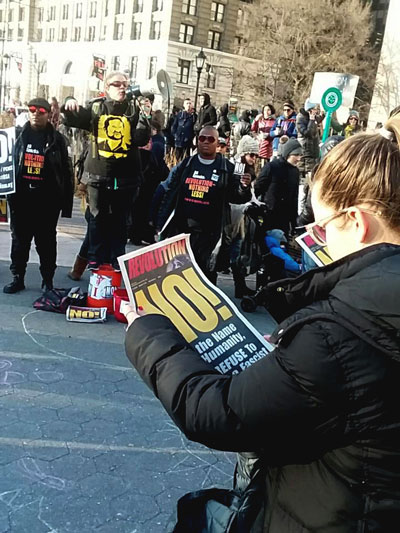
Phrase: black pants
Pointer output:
(181, 152)
(203, 243)
(107, 224)
(34, 216)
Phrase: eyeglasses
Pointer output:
(35, 109)
(209, 138)
(253, 155)
(287, 109)
(119, 84)
(317, 230)
(353, 118)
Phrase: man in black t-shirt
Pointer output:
(200, 189)
(44, 188)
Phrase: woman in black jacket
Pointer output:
(322, 408)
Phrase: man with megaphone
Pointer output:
(112, 168)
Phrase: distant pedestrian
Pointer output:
(261, 127)
(284, 125)
(182, 130)
(207, 114)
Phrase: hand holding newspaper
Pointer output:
(163, 278)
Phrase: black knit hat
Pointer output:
(40, 102)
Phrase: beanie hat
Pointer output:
(40, 102)
(354, 113)
(289, 103)
(292, 147)
(247, 145)
(223, 141)
(309, 105)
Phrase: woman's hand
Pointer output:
(130, 313)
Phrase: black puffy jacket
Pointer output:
(322, 408)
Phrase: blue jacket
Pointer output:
(183, 129)
(277, 251)
(288, 127)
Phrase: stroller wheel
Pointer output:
(248, 304)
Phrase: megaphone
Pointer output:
(159, 84)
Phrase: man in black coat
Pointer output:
(207, 114)
(183, 130)
(278, 186)
(199, 191)
(112, 167)
(44, 188)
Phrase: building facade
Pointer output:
(47, 46)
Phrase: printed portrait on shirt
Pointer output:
(114, 136)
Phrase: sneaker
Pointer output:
(116, 266)
(47, 285)
(16, 285)
(93, 265)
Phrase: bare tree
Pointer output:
(293, 39)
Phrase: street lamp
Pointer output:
(6, 63)
(200, 60)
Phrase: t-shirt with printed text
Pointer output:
(33, 172)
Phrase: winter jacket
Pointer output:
(321, 409)
(287, 127)
(183, 129)
(207, 117)
(262, 127)
(111, 161)
(224, 126)
(278, 187)
(308, 137)
(57, 164)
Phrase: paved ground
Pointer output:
(84, 446)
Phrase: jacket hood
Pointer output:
(224, 110)
(245, 115)
(207, 99)
(364, 286)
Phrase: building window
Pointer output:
(133, 67)
(120, 7)
(78, 12)
(214, 40)
(106, 8)
(67, 69)
(91, 33)
(157, 5)
(103, 33)
(238, 40)
(21, 14)
(20, 34)
(39, 35)
(217, 12)
(210, 80)
(10, 15)
(138, 6)
(52, 13)
(93, 9)
(64, 34)
(77, 33)
(136, 30)
(119, 31)
(189, 7)
(40, 14)
(9, 34)
(115, 62)
(51, 34)
(155, 30)
(186, 33)
(65, 9)
(152, 67)
(184, 71)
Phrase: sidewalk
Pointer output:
(84, 445)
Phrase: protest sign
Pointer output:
(346, 83)
(3, 211)
(164, 279)
(318, 253)
(7, 172)
(99, 67)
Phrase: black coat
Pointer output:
(278, 186)
(57, 163)
(207, 117)
(322, 408)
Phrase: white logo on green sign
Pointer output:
(332, 99)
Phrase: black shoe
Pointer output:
(47, 285)
(16, 285)
(93, 265)
(116, 266)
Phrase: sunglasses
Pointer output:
(253, 155)
(209, 138)
(287, 109)
(119, 84)
(35, 109)
(317, 230)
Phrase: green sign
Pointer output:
(332, 99)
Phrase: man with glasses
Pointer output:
(112, 168)
(199, 191)
(44, 188)
(284, 125)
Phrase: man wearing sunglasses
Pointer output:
(199, 191)
(112, 170)
(284, 125)
(44, 182)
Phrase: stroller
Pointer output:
(273, 262)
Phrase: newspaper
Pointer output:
(7, 171)
(164, 278)
(318, 253)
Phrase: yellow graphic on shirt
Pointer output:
(114, 136)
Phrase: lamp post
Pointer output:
(6, 62)
(200, 60)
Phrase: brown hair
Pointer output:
(364, 169)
